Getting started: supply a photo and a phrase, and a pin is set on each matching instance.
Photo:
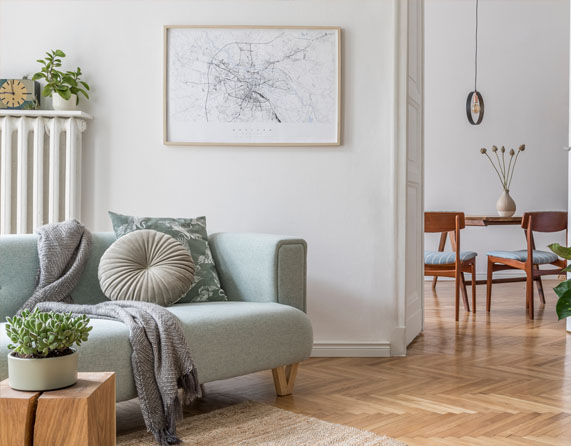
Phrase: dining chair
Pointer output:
(450, 264)
(530, 259)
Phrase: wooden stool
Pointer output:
(80, 415)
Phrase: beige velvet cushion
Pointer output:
(148, 266)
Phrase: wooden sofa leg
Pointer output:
(284, 378)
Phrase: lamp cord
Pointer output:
(476, 51)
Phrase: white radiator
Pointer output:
(40, 168)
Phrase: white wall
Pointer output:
(338, 198)
(523, 71)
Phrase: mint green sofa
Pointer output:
(263, 326)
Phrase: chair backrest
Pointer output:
(443, 221)
(545, 221)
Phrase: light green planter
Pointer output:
(42, 374)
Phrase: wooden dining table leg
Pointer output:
(441, 247)
(529, 292)
(473, 273)
(457, 297)
(489, 283)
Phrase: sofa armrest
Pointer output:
(261, 267)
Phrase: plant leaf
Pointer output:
(37, 76)
(83, 92)
(66, 94)
(69, 80)
(562, 288)
(85, 85)
(561, 251)
(47, 90)
(563, 307)
(59, 53)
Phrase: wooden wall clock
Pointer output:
(19, 94)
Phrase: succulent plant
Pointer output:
(36, 334)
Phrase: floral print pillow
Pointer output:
(191, 232)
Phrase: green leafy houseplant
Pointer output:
(66, 83)
(563, 290)
(44, 335)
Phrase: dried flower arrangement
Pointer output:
(505, 175)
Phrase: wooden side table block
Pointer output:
(80, 415)
(17, 411)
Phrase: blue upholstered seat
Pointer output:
(539, 257)
(444, 258)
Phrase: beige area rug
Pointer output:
(250, 424)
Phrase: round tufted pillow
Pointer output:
(148, 266)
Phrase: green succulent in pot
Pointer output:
(43, 335)
(563, 290)
(42, 356)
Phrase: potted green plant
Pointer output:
(42, 357)
(563, 290)
(63, 87)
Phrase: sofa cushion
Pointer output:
(191, 232)
(147, 266)
(226, 339)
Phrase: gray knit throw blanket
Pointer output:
(63, 249)
(161, 358)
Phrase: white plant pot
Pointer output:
(505, 204)
(60, 104)
(42, 374)
(568, 324)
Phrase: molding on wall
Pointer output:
(380, 349)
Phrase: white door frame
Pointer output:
(408, 105)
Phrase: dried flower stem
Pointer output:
(504, 160)
(494, 166)
(500, 166)
(510, 165)
(504, 175)
(513, 169)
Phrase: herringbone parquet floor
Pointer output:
(494, 379)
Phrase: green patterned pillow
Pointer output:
(191, 232)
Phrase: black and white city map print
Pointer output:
(229, 85)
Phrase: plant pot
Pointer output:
(505, 204)
(60, 104)
(42, 374)
(568, 324)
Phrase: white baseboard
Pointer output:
(351, 349)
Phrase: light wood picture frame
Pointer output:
(252, 85)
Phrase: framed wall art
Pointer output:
(252, 85)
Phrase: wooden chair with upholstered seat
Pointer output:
(529, 259)
(450, 264)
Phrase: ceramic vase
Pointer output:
(42, 373)
(60, 104)
(505, 204)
